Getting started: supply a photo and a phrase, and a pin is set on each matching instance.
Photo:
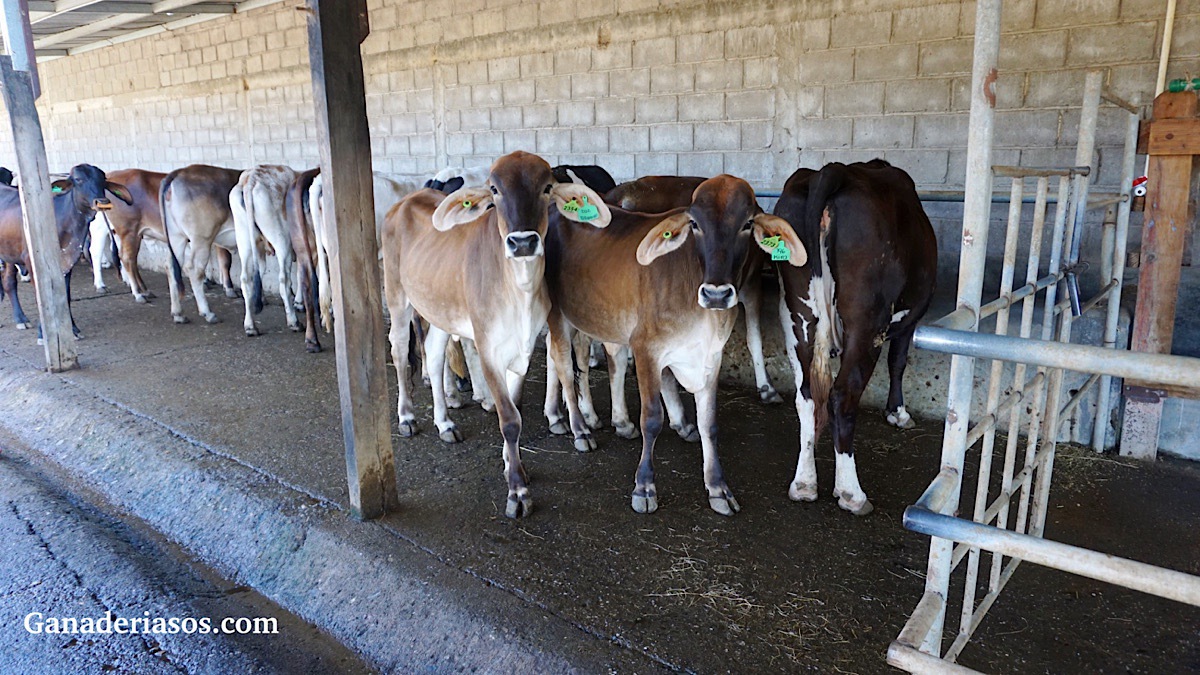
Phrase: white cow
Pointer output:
(257, 205)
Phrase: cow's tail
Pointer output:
(818, 238)
(176, 269)
(245, 195)
(324, 285)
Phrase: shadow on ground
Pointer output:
(780, 587)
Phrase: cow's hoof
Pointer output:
(212, 318)
(312, 347)
(901, 419)
(295, 327)
(102, 290)
(559, 427)
(78, 335)
(688, 432)
(490, 405)
(768, 395)
(585, 443)
(802, 492)
(233, 293)
(724, 504)
(408, 428)
(251, 331)
(179, 318)
(453, 402)
(859, 507)
(424, 380)
(149, 294)
(451, 435)
(23, 325)
(592, 420)
(141, 299)
(519, 505)
(645, 501)
(298, 306)
(627, 430)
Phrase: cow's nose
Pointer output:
(522, 245)
(101, 204)
(712, 296)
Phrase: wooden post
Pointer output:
(37, 210)
(1174, 140)
(335, 32)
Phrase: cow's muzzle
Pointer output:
(712, 296)
(102, 204)
(523, 245)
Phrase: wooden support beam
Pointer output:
(1172, 136)
(335, 32)
(37, 208)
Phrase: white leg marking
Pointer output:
(849, 493)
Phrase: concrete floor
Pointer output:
(779, 587)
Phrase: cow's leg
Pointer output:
(304, 284)
(398, 335)
(618, 365)
(751, 298)
(100, 242)
(224, 265)
(562, 342)
(435, 352)
(250, 274)
(720, 497)
(552, 406)
(286, 261)
(596, 353)
(131, 245)
(676, 413)
(479, 387)
(897, 416)
(179, 249)
(299, 301)
(581, 346)
(74, 329)
(520, 502)
(858, 361)
(645, 495)
(198, 256)
(799, 351)
(449, 385)
(10, 287)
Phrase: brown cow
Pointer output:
(663, 284)
(873, 273)
(300, 226)
(83, 192)
(194, 202)
(472, 263)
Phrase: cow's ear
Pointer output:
(461, 206)
(667, 236)
(772, 233)
(580, 203)
(119, 191)
(61, 185)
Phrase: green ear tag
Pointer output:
(772, 242)
(571, 206)
(781, 252)
(466, 203)
(667, 234)
(588, 212)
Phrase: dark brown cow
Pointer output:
(83, 193)
(194, 202)
(874, 263)
(654, 194)
(472, 264)
(663, 284)
(300, 225)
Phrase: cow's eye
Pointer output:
(548, 189)
(695, 226)
(494, 190)
(749, 224)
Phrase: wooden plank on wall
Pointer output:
(335, 31)
(37, 207)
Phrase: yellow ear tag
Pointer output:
(571, 206)
(771, 242)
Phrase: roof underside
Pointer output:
(67, 27)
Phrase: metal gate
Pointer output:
(1008, 512)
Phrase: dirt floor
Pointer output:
(781, 587)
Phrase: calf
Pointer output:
(194, 202)
(663, 284)
(874, 263)
(257, 205)
(81, 194)
(472, 264)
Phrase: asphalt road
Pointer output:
(60, 557)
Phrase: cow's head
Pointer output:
(87, 186)
(520, 188)
(723, 221)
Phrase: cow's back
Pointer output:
(143, 192)
(654, 194)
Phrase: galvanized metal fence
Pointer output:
(1008, 510)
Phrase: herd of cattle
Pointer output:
(651, 269)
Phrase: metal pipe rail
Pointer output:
(1179, 371)
(1138, 576)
